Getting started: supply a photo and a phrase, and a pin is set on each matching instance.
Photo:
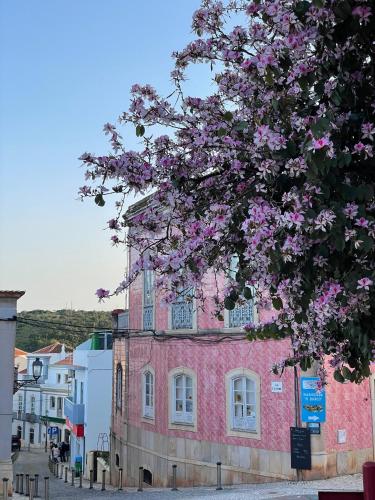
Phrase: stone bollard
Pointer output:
(91, 479)
(218, 472)
(174, 477)
(17, 490)
(36, 490)
(80, 479)
(120, 479)
(46, 488)
(140, 479)
(72, 481)
(21, 484)
(5, 488)
(31, 488)
(66, 475)
(103, 480)
(27, 484)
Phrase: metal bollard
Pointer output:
(218, 471)
(27, 484)
(91, 479)
(66, 475)
(36, 490)
(174, 474)
(17, 490)
(21, 484)
(80, 479)
(46, 488)
(5, 488)
(31, 488)
(103, 480)
(140, 479)
(61, 471)
(73, 472)
(120, 479)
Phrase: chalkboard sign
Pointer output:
(300, 448)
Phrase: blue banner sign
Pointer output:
(313, 400)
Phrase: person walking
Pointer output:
(56, 453)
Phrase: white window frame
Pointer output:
(52, 402)
(66, 379)
(182, 420)
(234, 427)
(20, 403)
(148, 410)
(59, 378)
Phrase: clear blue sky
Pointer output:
(66, 69)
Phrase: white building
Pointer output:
(88, 408)
(38, 408)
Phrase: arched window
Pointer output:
(243, 403)
(119, 387)
(31, 436)
(148, 394)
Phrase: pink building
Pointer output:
(190, 390)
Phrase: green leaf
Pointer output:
(320, 127)
(338, 377)
(229, 304)
(247, 293)
(346, 373)
(240, 126)
(140, 130)
(228, 116)
(99, 200)
(318, 3)
(221, 132)
(277, 303)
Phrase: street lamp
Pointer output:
(37, 372)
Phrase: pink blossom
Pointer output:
(359, 147)
(362, 222)
(364, 13)
(321, 143)
(364, 283)
(101, 293)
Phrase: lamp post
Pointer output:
(37, 372)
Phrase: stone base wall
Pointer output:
(195, 460)
(6, 470)
(338, 463)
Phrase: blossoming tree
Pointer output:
(275, 167)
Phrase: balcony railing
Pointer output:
(241, 314)
(74, 412)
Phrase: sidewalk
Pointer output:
(36, 462)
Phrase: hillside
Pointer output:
(66, 326)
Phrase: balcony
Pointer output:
(32, 418)
(74, 412)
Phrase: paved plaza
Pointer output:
(36, 462)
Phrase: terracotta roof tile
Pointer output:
(66, 361)
(23, 372)
(19, 352)
(50, 349)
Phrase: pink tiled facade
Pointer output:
(156, 445)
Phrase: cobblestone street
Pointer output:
(35, 462)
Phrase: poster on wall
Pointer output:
(313, 400)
